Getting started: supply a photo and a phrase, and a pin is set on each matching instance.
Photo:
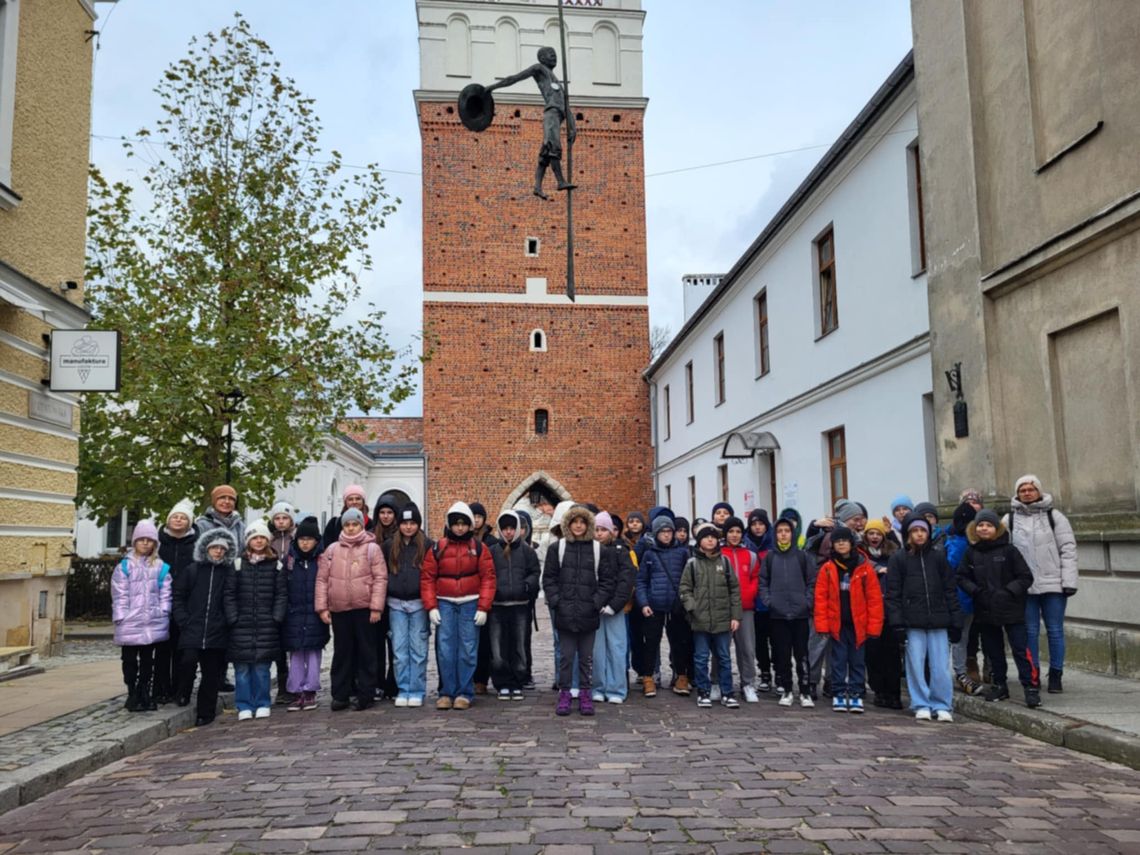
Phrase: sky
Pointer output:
(726, 80)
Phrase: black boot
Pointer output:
(1055, 687)
(997, 692)
(1032, 697)
(132, 702)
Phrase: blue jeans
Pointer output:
(251, 685)
(408, 632)
(1052, 608)
(611, 647)
(933, 645)
(720, 643)
(457, 649)
(848, 665)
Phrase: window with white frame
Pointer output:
(917, 222)
(538, 341)
(9, 34)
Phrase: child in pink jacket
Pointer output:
(141, 586)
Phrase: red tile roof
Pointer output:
(385, 431)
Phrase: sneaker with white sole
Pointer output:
(855, 705)
(415, 702)
(922, 715)
(504, 694)
(714, 694)
(516, 694)
(806, 702)
(245, 715)
(703, 700)
(401, 700)
(262, 712)
(614, 699)
(838, 704)
(750, 695)
(943, 715)
(598, 697)
(786, 699)
(764, 685)
(730, 701)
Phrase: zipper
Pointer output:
(925, 585)
(209, 596)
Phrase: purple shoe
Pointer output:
(563, 707)
(585, 704)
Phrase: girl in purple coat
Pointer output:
(140, 607)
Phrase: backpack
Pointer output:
(597, 553)
(725, 563)
(162, 574)
(1011, 515)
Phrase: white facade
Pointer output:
(870, 376)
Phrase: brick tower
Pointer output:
(527, 394)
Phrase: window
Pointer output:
(825, 264)
(506, 48)
(689, 392)
(692, 498)
(718, 366)
(458, 47)
(837, 464)
(541, 422)
(917, 222)
(9, 32)
(668, 495)
(722, 478)
(532, 246)
(538, 341)
(606, 59)
(762, 364)
(666, 417)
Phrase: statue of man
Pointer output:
(553, 115)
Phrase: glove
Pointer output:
(900, 634)
(434, 617)
(480, 618)
(955, 634)
(607, 611)
(1068, 592)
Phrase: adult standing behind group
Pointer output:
(223, 513)
(352, 498)
(1044, 537)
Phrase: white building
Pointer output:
(805, 376)
(696, 288)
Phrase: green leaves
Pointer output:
(238, 271)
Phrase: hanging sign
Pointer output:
(85, 360)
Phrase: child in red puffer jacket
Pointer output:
(747, 566)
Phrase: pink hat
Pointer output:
(354, 490)
(145, 528)
(604, 521)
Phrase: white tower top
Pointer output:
(480, 41)
(696, 288)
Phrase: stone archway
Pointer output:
(536, 486)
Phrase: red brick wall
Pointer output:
(482, 383)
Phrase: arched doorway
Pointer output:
(401, 498)
(537, 494)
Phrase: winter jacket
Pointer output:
(332, 528)
(956, 545)
(233, 522)
(995, 574)
(576, 587)
(178, 552)
(199, 597)
(787, 583)
(659, 577)
(517, 577)
(352, 575)
(141, 600)
(462, 569)
(404, 576)
(866, 599)
(626, 587)
(921, 590)
(710, 593)
(1049, 548)
(304, 629)
(282, 541)
(746, 563)
(256, 599)
(879, 564)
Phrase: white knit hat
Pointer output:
(185, 507)
(1028, 479)
(256, 529)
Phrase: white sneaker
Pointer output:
(614, 699)
(262, 712)
(401, 701)
(943, 715)
(922, 715)
(786, 699)
(714, 694)
(598, 697)
(573, 693)
(806, 702)
(415, 702)
(245, 715)
(750, 695)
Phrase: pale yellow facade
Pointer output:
(45, 118)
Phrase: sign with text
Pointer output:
(85, 361)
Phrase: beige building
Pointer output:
(1029, 115)
(45, 114)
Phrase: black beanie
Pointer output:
(478, 510)
(410, 512)
(682, 523)
(733, 522)
(309, 528)
(726, 506)
(842, 532)
(759, 514)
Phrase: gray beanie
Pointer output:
(352, 514)
(662, 523)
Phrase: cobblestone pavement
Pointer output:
(660, 772)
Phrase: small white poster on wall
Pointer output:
(749, 501)
(792, 494)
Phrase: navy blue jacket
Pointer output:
(304, 629)
(659, 577)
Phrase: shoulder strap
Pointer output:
(561, 550)
(126, 568)
(597, 557)
(237, 564)
(162, 574)
(1052, 522)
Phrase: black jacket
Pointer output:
(921, 590)
(198, 597)
(304, 629)
(178, 552)
(256, 599)
(574, 588)
(404, 578)
(626, 584)
(995, 574)
(787, 583)
(517, 576)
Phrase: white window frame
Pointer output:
(9, 39)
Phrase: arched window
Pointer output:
(607, 63)
(458, 47)
(506, 47)
(538, 341)
(541, 422)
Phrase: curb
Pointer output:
(1104, 742)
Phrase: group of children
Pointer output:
(854, 591)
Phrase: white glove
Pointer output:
(480, 618)
(607, 611)
(434, 617)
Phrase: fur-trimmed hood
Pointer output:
(210, 536)
(576, 512)
(1001, 537)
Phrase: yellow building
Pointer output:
(45, 118)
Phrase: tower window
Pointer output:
(532, 245)
(538, 341)
(541, 422)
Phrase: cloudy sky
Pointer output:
(726, 80)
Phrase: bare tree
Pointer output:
(659, 337)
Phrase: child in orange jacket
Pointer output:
(849, 608)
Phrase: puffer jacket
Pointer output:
(626, 588)
(710, 593)
(866, 600)
(996, 576)
(659, 577)
(922, 590)
(141, 600)
(199, 596)
(256, 599)
(233, 522)
(352, 575)
(746, 563)
(787, 583)
(282, 541)
(517, 576)
(304, 629)
(1050, 550)
(461, 569)
(178, 552)
(404, 575)
(576, 590)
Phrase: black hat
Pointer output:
(733, 522)
(682, 523)
(309, 527)
(759, 514)
(477, 509)
(964, 514)
(410, 513)
(986, 515)
(842, 532)
(476, 107)
(386, 501)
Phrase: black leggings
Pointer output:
(676, 627)
(790, 637)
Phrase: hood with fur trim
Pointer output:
(578, 512)
(213, 535)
